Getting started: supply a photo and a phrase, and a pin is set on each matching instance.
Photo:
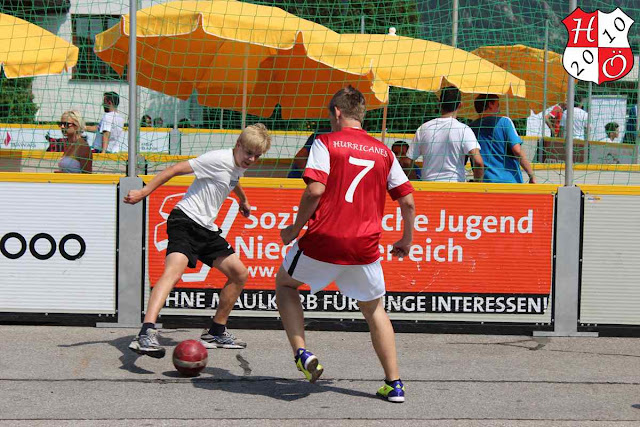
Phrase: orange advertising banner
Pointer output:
(482, 245)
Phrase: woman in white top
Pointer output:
(77, 156)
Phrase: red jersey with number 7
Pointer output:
(358, 171)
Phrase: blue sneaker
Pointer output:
(308, 364)
(392, 393)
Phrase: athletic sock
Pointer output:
(390, 383)
(145, 326)
(216, 329)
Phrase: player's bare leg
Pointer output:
(290, 308)
(384, 343)
(218, 336)
(146, 342)
(174, 265)
(237, 275)
(382, 336)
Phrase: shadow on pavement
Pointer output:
(128, 357)
(284, 389)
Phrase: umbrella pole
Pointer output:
(384, 123)
(244, 86)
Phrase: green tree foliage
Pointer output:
(16, 96)
(16, 101)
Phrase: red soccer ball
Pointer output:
(190, 357)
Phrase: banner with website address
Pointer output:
(481, 253)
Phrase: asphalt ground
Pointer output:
(84, 376)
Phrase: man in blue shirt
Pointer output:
(299, 162)
(499, 142)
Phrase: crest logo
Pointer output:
(598, 47)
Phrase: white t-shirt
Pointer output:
(216, 175)
(443, 143)
(114, 123)
(580, 118)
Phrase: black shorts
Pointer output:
(193, 240)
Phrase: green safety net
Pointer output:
(175, 128)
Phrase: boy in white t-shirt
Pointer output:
(194, 236)
(444, 144)
(110, 138)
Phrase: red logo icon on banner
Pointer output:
(598, 47)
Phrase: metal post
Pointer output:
(130, 258)
(637, 138)
(544, 89)
(587, 136)
(133, 89)
(175, 114)
(568, 137)
(361, 24)
(567, 272)
(454, 24)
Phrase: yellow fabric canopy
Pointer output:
(428, 66)
(528, 64)
(211, 47)
(28, 50)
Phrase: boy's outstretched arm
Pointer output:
(181, 168)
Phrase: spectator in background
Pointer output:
(612, 132)
(580, 122)
(77, 157)
(111, 126)
(445, 142)
(400, 149)
(300, 160)
(146, 121)
(158, 122)
(499, 143)
(184, 123)
(632, 119)
(553, 117)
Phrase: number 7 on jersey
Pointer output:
(368, 165)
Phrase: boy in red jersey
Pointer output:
(348, 175)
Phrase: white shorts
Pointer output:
(360, 282)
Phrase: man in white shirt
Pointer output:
(580, 120)
(110, 138)
(193, 235)
(444, 143)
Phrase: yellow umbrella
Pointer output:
(240, 56)
(528, 64)
(428, 66)
(27, 50)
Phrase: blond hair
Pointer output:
(256, 137)
(76, 117)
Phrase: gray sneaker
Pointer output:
(226, 340)
(148, 345)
